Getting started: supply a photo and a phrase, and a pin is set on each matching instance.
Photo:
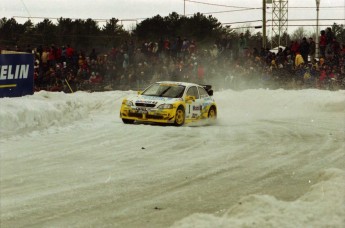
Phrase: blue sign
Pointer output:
(16, 75)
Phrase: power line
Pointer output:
(213, 4)
(226, 11)
(314, 7)
(241, 22)
(246, 27)
(303, 19)
(244, 7)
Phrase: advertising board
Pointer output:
(16, 75)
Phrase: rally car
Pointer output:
(170, 102)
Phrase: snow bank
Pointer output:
(45, 109)
(322, 206)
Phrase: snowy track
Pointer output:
(274, 158)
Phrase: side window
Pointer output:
(193, 91)
(203, 93)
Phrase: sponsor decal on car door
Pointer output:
(194, 107)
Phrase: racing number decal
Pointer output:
(197, 108)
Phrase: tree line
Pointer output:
(87, 34)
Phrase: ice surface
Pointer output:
(274, 158)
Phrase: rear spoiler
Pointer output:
(208, 89)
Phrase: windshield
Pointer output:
(165, 90)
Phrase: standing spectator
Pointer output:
(336, 48)
(228, 48)
(131, 49)
(201, 73)
(119, 59)
(141, 76)
(235, 51)
(178, 72)
(329, 35)
(314, 71)
(255, 53)
(294, 47)
(242, 45)
(342, 52)
(322, 43)
(131, 78)
(166, 47)
(138, 57)
(44, 59)
(125, 62)
(63, 54)
(280, 57)
(214, 51)
(69, 55)
(192, 47)
(40, 50)
(111, 72)
(304, 49)
(179, 44)
(52, 56)
(312, 48)
(93, 55)
(322, 77)
(28, 49)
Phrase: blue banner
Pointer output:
(16, 75)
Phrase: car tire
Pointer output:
(179, 116)
(127, 121)
(212, 113)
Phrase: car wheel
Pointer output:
(212, 113)
(127, 121)
(179, 116)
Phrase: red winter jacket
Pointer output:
(323, 41)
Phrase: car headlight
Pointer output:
(165, 106)
(129, 103)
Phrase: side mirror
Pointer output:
(190, 98)
(140, 92)
(210, 92)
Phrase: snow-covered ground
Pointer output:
(274, 158)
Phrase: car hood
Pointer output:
(152, 100)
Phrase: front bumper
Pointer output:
(148, 115)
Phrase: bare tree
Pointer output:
(299, 33)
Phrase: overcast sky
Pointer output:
(131, 11)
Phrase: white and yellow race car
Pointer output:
(170, 102)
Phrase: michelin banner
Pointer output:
(16, 75)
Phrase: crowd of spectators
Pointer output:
(226, 64)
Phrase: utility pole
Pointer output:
(317, 29)
(184, 7)
(264, 24)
